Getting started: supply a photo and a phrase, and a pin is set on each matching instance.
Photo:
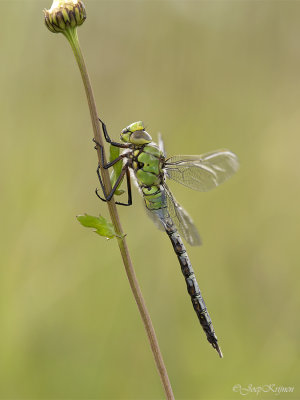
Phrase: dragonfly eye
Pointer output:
(135, 133)
(135, 126)
(140, 137)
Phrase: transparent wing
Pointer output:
(203, 172)
(155, 218)
(161, 145)
(182, 220)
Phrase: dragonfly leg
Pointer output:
(108, 139)
(98, 195)
(109, 164)
(102, 186)
(107, 197)
(129, 201)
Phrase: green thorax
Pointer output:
(147, 165)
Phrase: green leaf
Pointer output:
(100, 225)
(113, 179)
(114, 153)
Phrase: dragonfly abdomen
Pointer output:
(154, 197)
(192, 284)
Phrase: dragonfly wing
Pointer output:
(155, 218)
(161, 145)
(182, 220)
(203, 172)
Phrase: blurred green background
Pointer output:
(207, 75)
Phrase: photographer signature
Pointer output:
(262, 389)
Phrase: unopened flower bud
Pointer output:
(64, 14)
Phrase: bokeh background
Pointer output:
(207, 75)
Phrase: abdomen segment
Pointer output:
(192, 284)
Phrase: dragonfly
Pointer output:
(151, 169)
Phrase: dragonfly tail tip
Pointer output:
(218, 350)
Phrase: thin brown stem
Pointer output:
(73, 39)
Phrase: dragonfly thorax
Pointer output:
(135, 133)
(147, 165)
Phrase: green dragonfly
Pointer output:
(151, 168)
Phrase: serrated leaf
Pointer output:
(114, 153)
(100, 224)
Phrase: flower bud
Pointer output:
(64, 14)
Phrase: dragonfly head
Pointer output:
(135, 133)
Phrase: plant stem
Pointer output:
(73, 40)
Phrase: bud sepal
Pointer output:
(65, 15)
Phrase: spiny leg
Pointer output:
(108, 139)
(120, 177)
(109, 164)
(128, 181)
(108, 197)
(125, 169)
(102, 185)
